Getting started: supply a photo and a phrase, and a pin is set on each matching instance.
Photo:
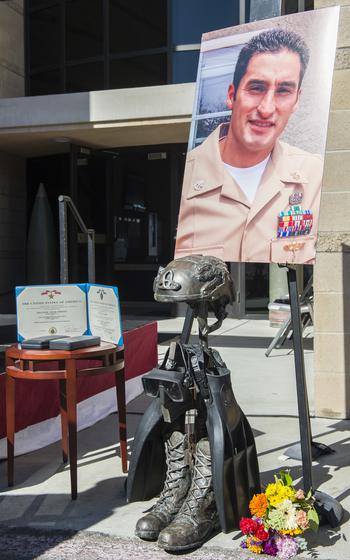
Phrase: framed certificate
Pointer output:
(69, 309)
(54, 309)
(104, 313)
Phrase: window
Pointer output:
(77, 45)
(145, 70)
(190, 18)
(292, 6)
(45, 83)
(185, 64)
(84, 77)
(44, 37)
(135, 26)
(84, 29)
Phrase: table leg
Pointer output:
(10, 427)
(120, 386)
(72, 423)
(64, 420)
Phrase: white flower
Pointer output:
(288, 511)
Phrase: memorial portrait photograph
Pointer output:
(253, 175)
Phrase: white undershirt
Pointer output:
(248, 178)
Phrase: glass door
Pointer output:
(251, 284)
(89, 192)
(256, 288)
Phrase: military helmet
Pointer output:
(194, 278)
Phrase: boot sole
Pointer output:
(183, 548)
(147, 535)
(192, 546)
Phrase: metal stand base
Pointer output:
(329, 509)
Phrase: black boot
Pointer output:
(177, 483)
(198, 516)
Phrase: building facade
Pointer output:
(12, 167)
(97, 102)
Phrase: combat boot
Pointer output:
(176, 486)
(198, 516)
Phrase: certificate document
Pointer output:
(69, 309)
(104, 313)
(54, 309)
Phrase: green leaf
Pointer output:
(286, 478)
(313, 519)
(308, 495)
(289, 480)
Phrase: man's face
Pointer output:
(266, 97)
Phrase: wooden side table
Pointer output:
(25, 364)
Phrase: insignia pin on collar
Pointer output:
(295, 198)
(198, 185)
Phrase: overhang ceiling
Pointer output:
(35, 126)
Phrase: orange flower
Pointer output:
(258, 505)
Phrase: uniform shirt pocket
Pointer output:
(293, 250)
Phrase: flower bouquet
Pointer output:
(280, 515)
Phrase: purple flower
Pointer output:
(270, 547)
(286, 547)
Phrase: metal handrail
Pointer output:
(65, 202)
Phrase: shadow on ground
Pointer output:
(30, 544)
(229, 341)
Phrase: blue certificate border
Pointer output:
(20, 289)
(115, 290)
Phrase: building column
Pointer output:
(332, 269)
(278, 285)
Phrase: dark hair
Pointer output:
(272, 41)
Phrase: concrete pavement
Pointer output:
(264, 388)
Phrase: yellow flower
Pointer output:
(292, 532)
(251, 545)
(277, 493)
(258, 505)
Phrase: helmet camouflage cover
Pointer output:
(194, 278)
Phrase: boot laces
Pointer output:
(175, 467)
(201, 485)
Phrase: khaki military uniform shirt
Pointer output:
(217, 219)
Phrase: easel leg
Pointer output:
(303, 403)
(279, 338)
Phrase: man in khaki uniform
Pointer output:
(247, 196)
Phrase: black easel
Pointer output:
(329, 509)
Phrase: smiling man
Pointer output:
(248, 196)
